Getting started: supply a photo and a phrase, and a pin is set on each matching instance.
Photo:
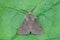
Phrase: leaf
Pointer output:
(11, 17)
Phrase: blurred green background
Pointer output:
(11, 18)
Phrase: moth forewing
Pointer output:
(24, 29)
(36, 27)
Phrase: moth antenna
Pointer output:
(24, 10)
(33, 8)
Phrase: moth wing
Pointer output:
(24, 29)
(36, 28)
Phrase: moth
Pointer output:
(30, 25)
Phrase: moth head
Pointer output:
(30, 17)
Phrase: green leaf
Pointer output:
(12, 15)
